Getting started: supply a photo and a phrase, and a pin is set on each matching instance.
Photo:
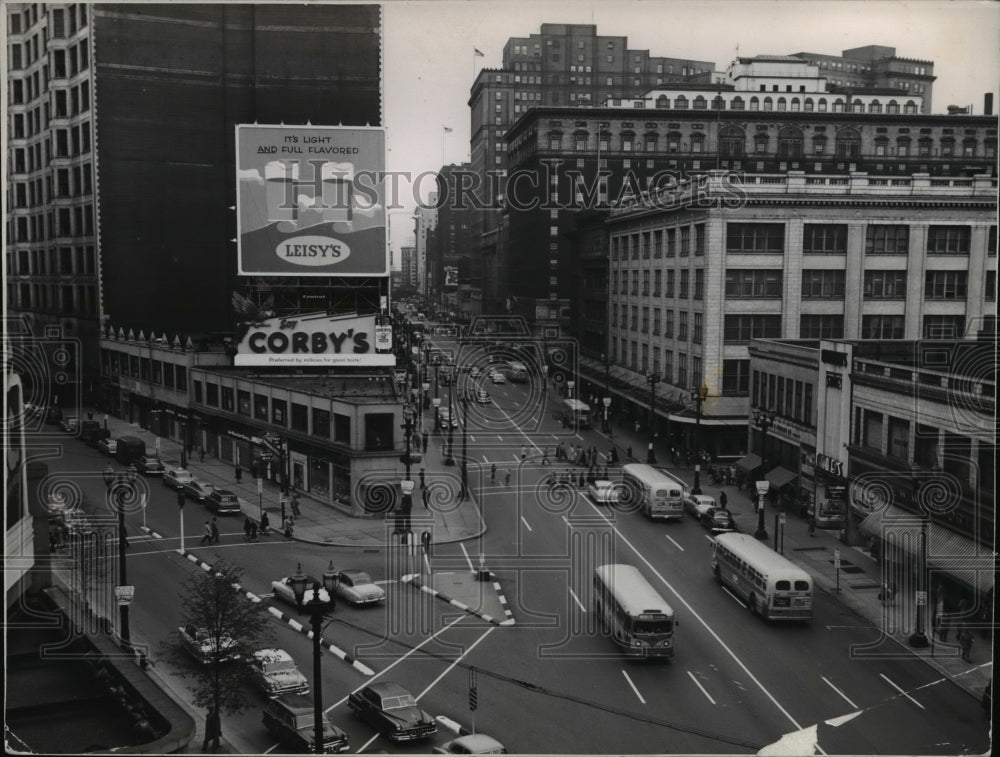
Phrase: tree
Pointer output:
(230, 625)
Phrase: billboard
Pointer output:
(316, 339)
(310, 201)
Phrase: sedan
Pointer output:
(698, 504)
(150, 466)
(70, 424)
(197, 490)
(474, 371)
(472, 743)
(482, 397)
(108, 446)
(717, 520)
(603, 492)
(274, 672)
(222, 501)
(497, 378)
(200, 645)
(282, 590)
(357, 587)
(392, 709)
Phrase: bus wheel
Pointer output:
(752, 604)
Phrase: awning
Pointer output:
(780, 476)
(748, 464)
(960, 557)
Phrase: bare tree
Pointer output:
(226, 629)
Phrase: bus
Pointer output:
(516, 373)
(656, 493)
(638, 619)
(772, 586)
(573, 414)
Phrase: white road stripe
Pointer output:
(740, 601)
(698, 684)
(674, 542)
(467, 559)
(525, 525)
(842, 694)
(577, 600)
(902, 692)
(633, 687)
(485, 459)
(457, 660)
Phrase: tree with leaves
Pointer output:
(231, 628)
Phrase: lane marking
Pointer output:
(698, 684)
(674, 542)
(633, 687)
(525, 524)
(485, 459)
(467, 558)
(577, 600)
(902, 692)
(738, 600)
(842, 694)
(457, 660)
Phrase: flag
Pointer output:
(447, 130)
(477, 52)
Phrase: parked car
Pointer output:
(290, 718)
(70, 424)
(474, 371)
(603, 492)
(472, 743)
(223, 501)
(482, 397)
(717, 520)
(274, 672)
(175, 477)
(93, 437)
(129, 449)
(200, 645)
(697, 504)
(497, 378)
(357, 587)
(89, 429)
(108, 446)
(197, 490)
(445, 420)
(282, 589)
(392, 709)
(150, 466)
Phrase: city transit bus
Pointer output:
(573, 414)
(772, 586)
(516, 373)
(638, 619)
(656, 493)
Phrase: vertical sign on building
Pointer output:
(310, 201)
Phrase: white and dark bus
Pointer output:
(573, 414)
(772, 587)
(631, 611)
(656, 493)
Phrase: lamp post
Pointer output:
(184, 463)
(115, 483)
(277, 446)
(762, 487)
(465, 442)
(312, 601)
(653, 378)
(918, 639)
(763, 419)
(450, 456)
(699, 394)
(427, 400)
(607, 384)
(406, 485)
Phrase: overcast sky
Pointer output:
(429, 62)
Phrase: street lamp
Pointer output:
(699, 394)
(276, 445)
(607, 387)
(450, 456)
(653, 378)
(763, 419)
(918, 638)
(312, 601)
(465, 442)
(762, 487)
(184, 444)
(427, 400)
(115, 484)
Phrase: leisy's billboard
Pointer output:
(317, 339)
(310, 201)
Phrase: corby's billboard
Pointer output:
(310, 201)
(316, 339)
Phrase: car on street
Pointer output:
(472, 743)
(357, 587)
(175, 477)
(717, 520)
(697, 504)
(603, 492)
(274, 672)
(392, 709)
(223, 501)
(474, 371)
(445, 420)
(497, 378)
(482, 397)
(282, 589)
(290, 718)
(70, 424)
(197, 490)
(150, 466)
(202, 647)
(108, 446)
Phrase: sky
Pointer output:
(429, 64)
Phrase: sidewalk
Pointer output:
(860, 576)
(321, 523)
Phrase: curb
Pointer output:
(412, 579)
(292, 623)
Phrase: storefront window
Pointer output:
(242, 402)
(341, 483)
(378, 431)
(279, 410)
(319, 477)
(321, 423)
(260, 406)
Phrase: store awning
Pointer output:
(960, 557)
(780, 476)
(748, 464)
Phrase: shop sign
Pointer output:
(312, 340)
(829, 465)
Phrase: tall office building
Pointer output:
(121, 153)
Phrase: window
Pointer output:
(243, 402)
(227, 398)
(885, 285)
(211, 394)
(321, 422)
(657, 282)
(848, 143)
(824, 239)
(668, 324)
(753, 283)
(821, 327)
(683, 288)
(735, 378)
(670, 283)
(740, 329)
(884, 239)
(823, 284)
(341, 428)
(755, 237)
(685, 241)
(682, 369)
(871, 430)
(991, 286)
(696, 336)
(300, 418)
(279, 412)
(946, 285)
(671, 242)
(948, 240)
(657, 320)
(882, 326)
(181, 376)
(378, 431)
(197, 392)
(699, 283)
(260, 407)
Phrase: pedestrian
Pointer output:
(545, 456)
(288, 525)
(629, 451)
(247, 523)
(723, 500)
(215, 531)
(295, 506)
(239, 473)
(493, 473)
(201, 451)
(524, 453)
(506, 477)
(265, 523)
(965, 640)
(423, 478)
(206, 535)
(213, 730)
(424, 438)
(426, 493)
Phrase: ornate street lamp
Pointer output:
(116, 485)
(607, 390)
(763, 419)
(465, 442)
(653, 378)
(918, 639)
(699, 394)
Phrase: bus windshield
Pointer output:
(664, 625)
